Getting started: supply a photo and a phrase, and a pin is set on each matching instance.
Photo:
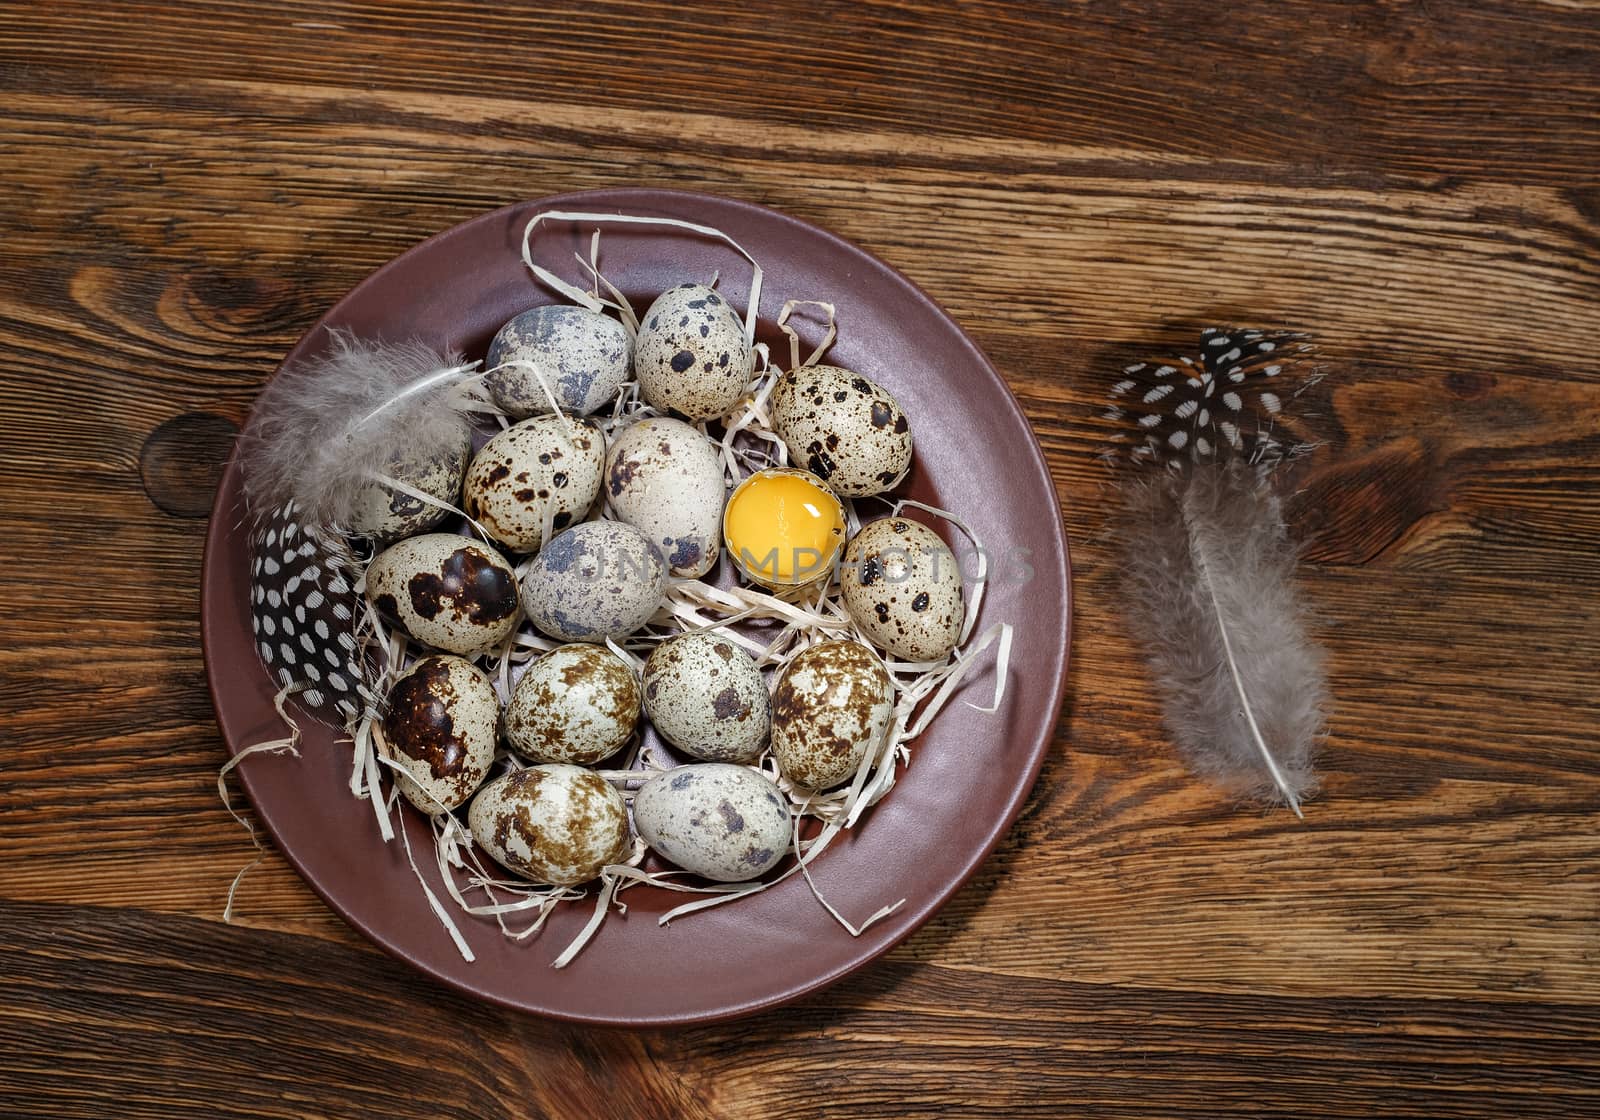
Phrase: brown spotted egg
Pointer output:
(832, 706)
(383, 513)
(547, 465)
(665, 479)
(707, 698)
(439, 729)
(902, 586)
(725, 822)
(554, 824)
(446, 591)
(597, 580)
(578, 703)
(842, 428)
(690, 356)
(582, 355)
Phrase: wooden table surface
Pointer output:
(187, 187)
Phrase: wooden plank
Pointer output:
(200, 1019)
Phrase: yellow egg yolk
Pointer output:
(783, 526)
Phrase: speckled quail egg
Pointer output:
(555, 824)
(725, 822)
(383, 513)
(843, 428)
(583, 355)
(707, 698)
(832, 706)
(439, 728)
(690, 356)
(446, 591)
(578, 703)
(597, 580)
(550, 464)
(902, 586)
(665, 479)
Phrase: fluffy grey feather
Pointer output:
(326, 428)
(1208, 561)
(1210, 573)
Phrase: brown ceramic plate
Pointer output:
(969, 773)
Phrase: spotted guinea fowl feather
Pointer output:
(1227, 402)
(325, 432)
(1208, 564)
(310, 625)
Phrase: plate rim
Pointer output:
(917, 915)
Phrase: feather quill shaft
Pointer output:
(1203, 564)
(1210, 571)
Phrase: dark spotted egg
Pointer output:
(665, 479)
(547, 465)
(438, 727)
(446, 591)
(306, 614)
(583, 356)
(554, 824)
(690, 356)
(578, 703)
(842, 428)
(832, 706)
(725, 822)
(707, 697)
(902, 586)
(597, 580)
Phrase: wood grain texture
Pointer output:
(186, 188)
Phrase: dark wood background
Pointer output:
(187, 187)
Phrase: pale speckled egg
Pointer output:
(446, 591)
(665, 479)
(383, 513)
(548, 464)
(842, 428)
(578, 703)
(690, 355)
(439, 725)
(597, 580)
(725, 822)
(554, 824)
(706, 697)
(902, 586)
(583, 355)
(832, 705)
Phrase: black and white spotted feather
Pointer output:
(309, 622)
(1208, 564)
(1227, 402)
(324, 432)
